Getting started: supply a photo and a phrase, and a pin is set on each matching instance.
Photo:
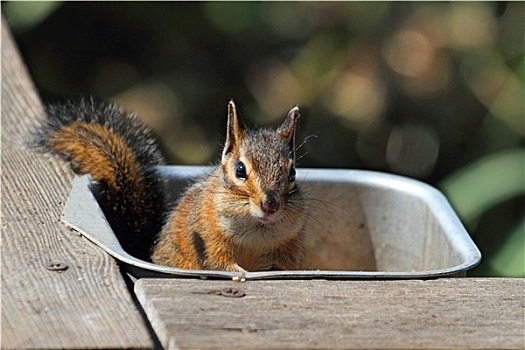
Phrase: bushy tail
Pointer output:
(120, 153)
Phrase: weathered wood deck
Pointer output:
(89, 305)
(443, 314)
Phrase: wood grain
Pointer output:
(414, 314)
(86, 306)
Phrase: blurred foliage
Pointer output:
(430, 90)
(482, 188)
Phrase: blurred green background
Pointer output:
(433, 91)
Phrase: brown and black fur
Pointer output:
(213, 226)
(234, 219)
(120, 153)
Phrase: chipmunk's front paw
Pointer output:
(235, 268)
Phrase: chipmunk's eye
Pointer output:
(291, 175)
(240, 171)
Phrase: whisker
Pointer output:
(296, 148)
(308, 215)
(310, 196)
(316, 135)
(301, 156)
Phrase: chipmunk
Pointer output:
(245, 215)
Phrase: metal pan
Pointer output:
(361, 225)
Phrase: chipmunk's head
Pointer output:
(259, 170)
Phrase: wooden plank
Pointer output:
(89, 304)
(409, 314)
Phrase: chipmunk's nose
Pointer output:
(270, 205)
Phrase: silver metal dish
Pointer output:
(361, 224)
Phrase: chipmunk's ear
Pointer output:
(287, 129)
(234, 131)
